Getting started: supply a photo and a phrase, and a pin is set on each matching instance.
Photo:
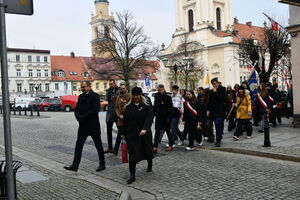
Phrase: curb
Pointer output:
(276, 156)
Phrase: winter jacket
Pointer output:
(245, 106)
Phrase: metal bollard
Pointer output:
(20, 111)
(31, 111)
(14, 108)
(25, 111)
(38, 111)
(267, 142)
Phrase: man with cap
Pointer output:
(138, 118)
(217, 108)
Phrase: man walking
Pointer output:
(111, 117)
(122, 100)
(86, 113)
(162, 110)
(216, 108)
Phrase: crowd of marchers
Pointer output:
(134, 113)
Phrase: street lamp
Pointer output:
(173, 67)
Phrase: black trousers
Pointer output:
(118, 139)
(132, 166)
(243, 123)
(191, 129)
(109, 128)
(275, 114)
(157, 137)
(81, 138)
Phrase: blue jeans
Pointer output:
(219, 125)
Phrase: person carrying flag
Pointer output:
(263, 104)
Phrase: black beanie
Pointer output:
(136, 91)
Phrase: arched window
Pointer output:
(215, 69)
(218, 14)
(191, 20)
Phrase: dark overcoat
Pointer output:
(86, 113)
(217, 103)
(137, 118)
(111, 96)
(163, 108)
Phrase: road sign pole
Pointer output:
(5, 98)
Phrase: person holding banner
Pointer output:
(191, 119)
(263, 104)
(138, 118)
(244, 114)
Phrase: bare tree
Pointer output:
(184, 65)
(127, 46)
(271, 45)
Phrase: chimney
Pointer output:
(249, 23)
(72, 54)
(236, 20)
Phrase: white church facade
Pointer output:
(210, 23)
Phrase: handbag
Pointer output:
(124, 151)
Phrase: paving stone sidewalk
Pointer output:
(54, 186)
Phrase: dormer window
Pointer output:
(86, 74)
(60, 73)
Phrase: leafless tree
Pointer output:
(185, 64)
(271, 46)
(127, 46)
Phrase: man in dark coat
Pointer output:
(86, 113)
(217, 108)
(162, 110)
(138, 118)
(111, 116)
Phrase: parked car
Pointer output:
(34, 104)
(23, 102)
(50, 104)
(151, 95)
(68, 102)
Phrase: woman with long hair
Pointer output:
(191, 118)
(208, 123)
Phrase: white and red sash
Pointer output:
(263, 103)
(271, 99)
(190, 108)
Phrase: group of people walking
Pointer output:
(134, 114)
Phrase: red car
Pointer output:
(68, 102)
(50, 104)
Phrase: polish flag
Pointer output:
(274, 24)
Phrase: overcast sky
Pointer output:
(63, 26)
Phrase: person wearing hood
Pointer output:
(138, 118)
(122, 100)
(244, 113)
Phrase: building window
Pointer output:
(31, 87)
(38, 73)
(60, 73)
(191, 20)
(142, 85)
(218, 14)
(46, 73)
(105, 85)
(17, 58)
(66, 86)
(56, 86)
(19, 87)
(86, 74)
(74, 87)
(47, 87)
(39, 87)
(97, 86)
(38, 59)
(45, 59)
(106, 31)
(30, 73)
(29, 58)
(140, 75)
(215, 69)
(18, 72)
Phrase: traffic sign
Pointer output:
(21, 7)
(147, 81)
(291, 2)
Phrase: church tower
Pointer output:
(101, 24)
(193, 15)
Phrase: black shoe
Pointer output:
(71, 168)
(149, 168)
(131, 179)
(115, 152)
(210, 140)
(109, 151)
(217, 144)
(274, 126)
(100, 168)
(261, 131)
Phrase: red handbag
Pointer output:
(124, 152)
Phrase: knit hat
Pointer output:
(136, 91)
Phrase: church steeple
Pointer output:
(101, 24)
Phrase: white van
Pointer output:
(23, 102)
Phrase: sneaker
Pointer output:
(248, 137)
(236, 138)
(201, 143)
(189, 148)
(180, 143)
(169, 149)
(217, 144)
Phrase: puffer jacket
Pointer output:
(244, 107)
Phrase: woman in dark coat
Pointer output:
(138, 117)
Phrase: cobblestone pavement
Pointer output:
(202, 174)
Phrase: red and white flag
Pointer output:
(274, 24)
